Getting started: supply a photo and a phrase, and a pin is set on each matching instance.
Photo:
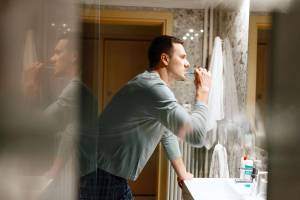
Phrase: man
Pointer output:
(76, 108)
(71, 115)
(143, 113)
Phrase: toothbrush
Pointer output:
(189, 73)
(192, 72)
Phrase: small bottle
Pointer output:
(248, 169)
(242, 167)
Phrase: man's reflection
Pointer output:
(74, 112)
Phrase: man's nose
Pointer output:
(187, 64)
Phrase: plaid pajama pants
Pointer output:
(101, 185)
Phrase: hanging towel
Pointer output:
(215, 98)
(219, 164)
(30, 55)
(231, 107)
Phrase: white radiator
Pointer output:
(196, 161)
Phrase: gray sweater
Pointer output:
(143, 113)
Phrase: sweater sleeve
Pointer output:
(64, 112)
(171, 145)
(166, 109)
(199, 119)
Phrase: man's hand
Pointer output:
(186, 176)
(31, 80)
(180, 170)
(202, 84)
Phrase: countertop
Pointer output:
(217, 189)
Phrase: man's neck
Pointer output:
(73, 73)
(163, 73)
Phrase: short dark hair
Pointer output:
(73, 39)
(159, 45)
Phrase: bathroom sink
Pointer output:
(216, 189)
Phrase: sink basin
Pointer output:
(216, 189)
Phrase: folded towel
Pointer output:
(219, 164)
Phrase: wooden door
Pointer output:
(263, 56)
(123, 60)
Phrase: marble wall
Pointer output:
(183, 21)
(235, 26)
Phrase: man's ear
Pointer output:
(165, 58)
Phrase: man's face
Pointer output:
(62, 58)
(178, 63)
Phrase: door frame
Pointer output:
(145, 18)
(256, 23)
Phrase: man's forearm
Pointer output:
(179, 168)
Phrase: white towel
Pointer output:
(219, 163)
(215, 98)
(30, 56)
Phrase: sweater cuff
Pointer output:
(200, 104)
